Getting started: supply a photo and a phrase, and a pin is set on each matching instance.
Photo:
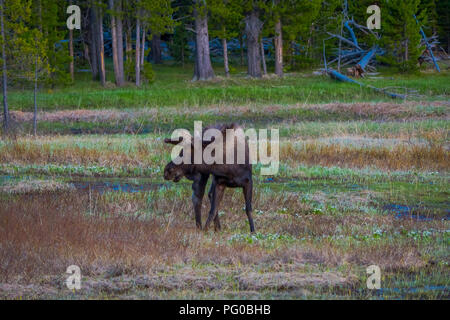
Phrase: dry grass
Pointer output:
(148, 241)
(380, 110)
(72, 116)
(43, 234)
(29, 151)
(400, 157)
(385, 110)
(431, 154)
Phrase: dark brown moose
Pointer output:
(224, 175)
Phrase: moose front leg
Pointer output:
(198, 188)
(216, 194)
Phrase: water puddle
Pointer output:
(115, 185)
(412, 212)
(402, 292)
(424, 289)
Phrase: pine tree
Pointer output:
(443, 22)
(428, 7)
(225, 18)
(179, 48)
(14, 17)
(51, 16)
(24, 49)
(289, 22)
(328, 19)
(401, 34)
(155, 15)
(158, 20)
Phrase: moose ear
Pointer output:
(207, 142)
(169, 141)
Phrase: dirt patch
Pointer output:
(382, 109)
(73, 116)
(18, 291)
(290, 280)
(214, 279)
(35, 186)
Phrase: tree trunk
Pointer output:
(195, 62)
(182, 56)
(119, 29)
(93, 43)
(128, 40)
(292, 54)
(35, 95)
(241, 45)
(263, 58)
(138, 52)
(86, 53)
(448, 44)
(253, 30)
(85, 38)
(71, 65)
(225, 57)
(203, 69)
(406, 44)
(115, 51)
(101, 47)
(143, 48)
(5, 73)
(278, 49)
(407, 50)
(156, 49)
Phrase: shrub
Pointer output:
(147, 73)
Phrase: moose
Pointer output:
(223, 175)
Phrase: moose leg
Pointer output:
(216, 196)
(248, 204)
(217, 225)
(198, 188)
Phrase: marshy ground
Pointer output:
(363, 181)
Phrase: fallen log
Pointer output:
(340, 77)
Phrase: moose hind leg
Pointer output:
(216, 197)
(217, 225)
(248, 205)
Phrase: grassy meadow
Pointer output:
(363, 181)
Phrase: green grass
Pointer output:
(173, 88)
